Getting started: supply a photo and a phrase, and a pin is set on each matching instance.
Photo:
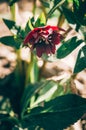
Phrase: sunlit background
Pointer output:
(57, 70)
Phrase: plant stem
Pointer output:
(54, 8)
(32, 70)
(61, 20)
(34, 6)
(13, 12)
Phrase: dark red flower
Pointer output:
(44, 39)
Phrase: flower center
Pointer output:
(50, 38)
(45, 40)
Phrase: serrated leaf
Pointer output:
(9, 23)
(58, 113)
(9, 41)
(41, 21)
(81, 60)
(67, 47)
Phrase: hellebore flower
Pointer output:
(44, 39)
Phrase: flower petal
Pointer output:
(29, 37)
(32, 36)
(48, 49)
(56, 37)
(53, 48)
(40, 49)
(54, 27)
(50, 27)
(44, 39)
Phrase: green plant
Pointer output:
(31, 102)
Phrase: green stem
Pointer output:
(61, 20)
(44, 10)
(34, 7)
(54, 8)
(13, 12)
(18, 71)
(32, 71)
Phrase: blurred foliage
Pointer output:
(29, 101)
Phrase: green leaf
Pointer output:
(9, 23)
(56, 2)
(41, 21)
(18, 42)
(3, 116)
(73, 19)
(84, 50)
(77, 16)
(27, 95)
(67, 47)
(76, 4)
(80, 11)
(81, 60)
(69, 15)
(29, 26)
(56, 5)
(80, 65)
(62, 91)
(45, 3)
(43, 89)
(57, 114)
(7, 122)
(9, 41)
(46, 93)
(5, 103)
